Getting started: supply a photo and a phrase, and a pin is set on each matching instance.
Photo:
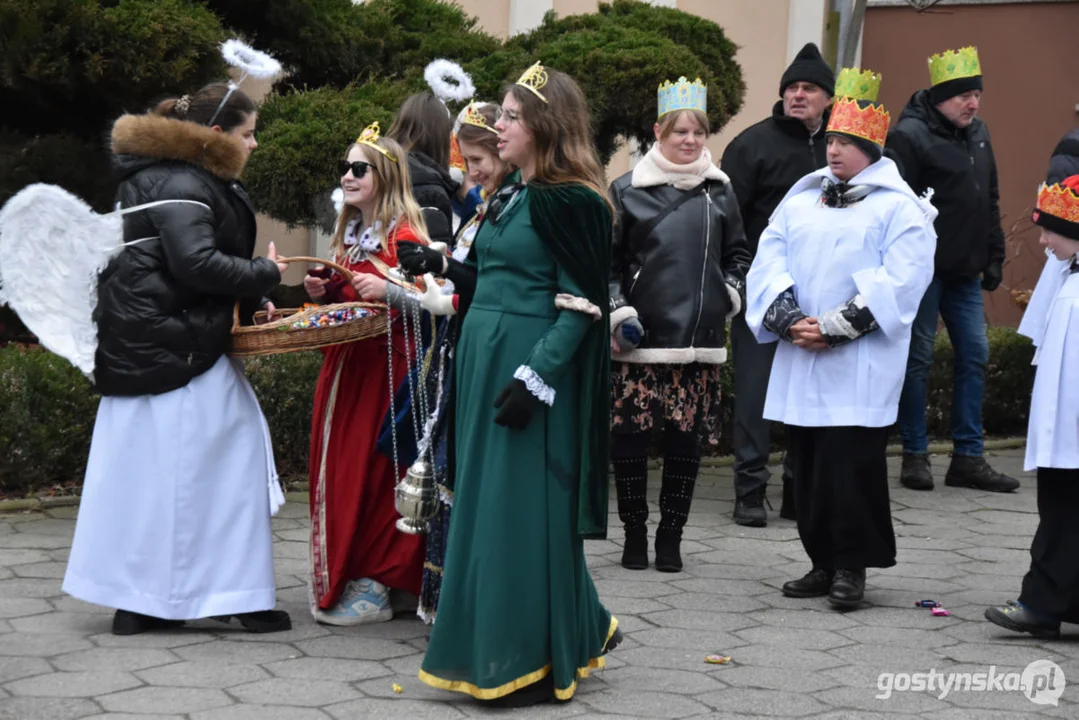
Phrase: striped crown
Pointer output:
(954, 65)
(857, 85)
(682, 95)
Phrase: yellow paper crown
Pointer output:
(869, 123)
(954, 65)
(534, 78)
(1060, 201)
(370, 137)
(681, 95)
(858, 85)
(474, 117)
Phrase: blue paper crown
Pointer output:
(682, 95)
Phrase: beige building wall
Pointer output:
(768, 34)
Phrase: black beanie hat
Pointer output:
(950, 88)
(809, 66)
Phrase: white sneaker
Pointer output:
(362, 601)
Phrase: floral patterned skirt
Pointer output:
(649, 398)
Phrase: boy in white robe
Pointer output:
(838, 278)
(1050, 593)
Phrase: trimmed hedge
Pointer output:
(49, 407)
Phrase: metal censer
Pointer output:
(416, 498)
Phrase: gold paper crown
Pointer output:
(370, 137)
(535, 79)
(682, 95)
(857, 85)
(954, 65)
(869, 123)
(1060, 201)
(475, 118)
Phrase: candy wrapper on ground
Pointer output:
(717, 659)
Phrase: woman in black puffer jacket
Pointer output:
(174, 522)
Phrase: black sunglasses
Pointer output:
(358, 167)
(501, 201)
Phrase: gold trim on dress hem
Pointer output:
(462, 686)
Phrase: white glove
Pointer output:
(433, 301)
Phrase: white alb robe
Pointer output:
(881, 248)
(1051, 320)
(174, 520)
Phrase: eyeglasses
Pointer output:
(509, 116)
(501, 201)
(359, 168)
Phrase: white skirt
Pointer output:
(174, 520)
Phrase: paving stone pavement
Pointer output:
(791, 658)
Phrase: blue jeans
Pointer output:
(959, 302)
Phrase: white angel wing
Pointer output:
(52, 247)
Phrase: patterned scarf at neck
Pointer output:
(369, 241)
(841, 195)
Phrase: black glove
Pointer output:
(517, 404)
(992, 276)
(418, 260)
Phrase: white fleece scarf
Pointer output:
(655, 169)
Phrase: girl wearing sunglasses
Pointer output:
(357, 553)
(519, 620)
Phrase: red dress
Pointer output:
(353, 534)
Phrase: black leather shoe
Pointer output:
(668, 550)
(815, 583)
(125, 622)
(974, 472)
(614, 641)
(915, 474)
(541, 691)
(749, 510)
(635, 549)
(1017, 618)
(848, 588)
(262, 621)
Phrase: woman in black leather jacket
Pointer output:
(678, 264)
(174, 522)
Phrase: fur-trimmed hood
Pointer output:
(156, 137)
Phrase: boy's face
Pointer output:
(1062, 248)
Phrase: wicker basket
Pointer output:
(278, 336)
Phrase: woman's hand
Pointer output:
(270, 309)
(315, 287)
(370, 288)
(272, 254)
(418, 260)
(806, 334)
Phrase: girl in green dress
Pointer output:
(519, 620)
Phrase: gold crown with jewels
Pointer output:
(370, 137)
(475, 118)
(535, 79)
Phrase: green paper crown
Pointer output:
(682, 95)
(954, 65)
(857, 85)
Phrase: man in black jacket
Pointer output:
(941, 144)
(763, 163)
(1065, 160)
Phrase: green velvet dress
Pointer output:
(517, 601)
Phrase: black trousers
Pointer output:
(1051, 586)
(752, 433)
(841, 491)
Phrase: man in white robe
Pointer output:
(1050, 593)
(838, 278)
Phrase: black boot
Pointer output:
(749, 509)
(681, 461)
(974, 472)
(915, 474)
(541, 691)
(1019, 618)
(125, 622)
(815, 583)
(848, 588)
(261, 621)
(630, 459)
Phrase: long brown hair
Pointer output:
(393, 188)
(423, 124)
(562, 132)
